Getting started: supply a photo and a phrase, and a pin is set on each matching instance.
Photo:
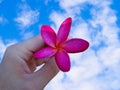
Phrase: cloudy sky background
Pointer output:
(97, 21)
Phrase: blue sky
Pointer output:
(97, 21)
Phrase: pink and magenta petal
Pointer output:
(75, 45)
(45, 52)
(48, 35)
(64, 30)
(62, 60)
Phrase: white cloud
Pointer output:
(57, 21)
(3, 20)
(98, 67)
(110, 57)
(3, 46)
(65, 4)
(27, 35)
(2, 49)
(47, 2)
(26, 17)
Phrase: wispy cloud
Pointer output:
(47, 1)
(71, 4)
(1, 1)
(4, 45)
(101, 62)
(26, 17)
(2, 49)
(27, 35)
(3, 20)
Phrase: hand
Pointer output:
(17, 70)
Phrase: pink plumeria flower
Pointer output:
(59, 46)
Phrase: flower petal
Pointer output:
(75, 45)
(62, 60)
(64, 30)
(48, 35)
(45, 52)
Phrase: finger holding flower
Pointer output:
(59, 46)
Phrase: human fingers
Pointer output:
(24, 51)
(27, 48)
(34, 63)
(46, 73)
(33, 44)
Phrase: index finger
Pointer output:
(33, 44)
